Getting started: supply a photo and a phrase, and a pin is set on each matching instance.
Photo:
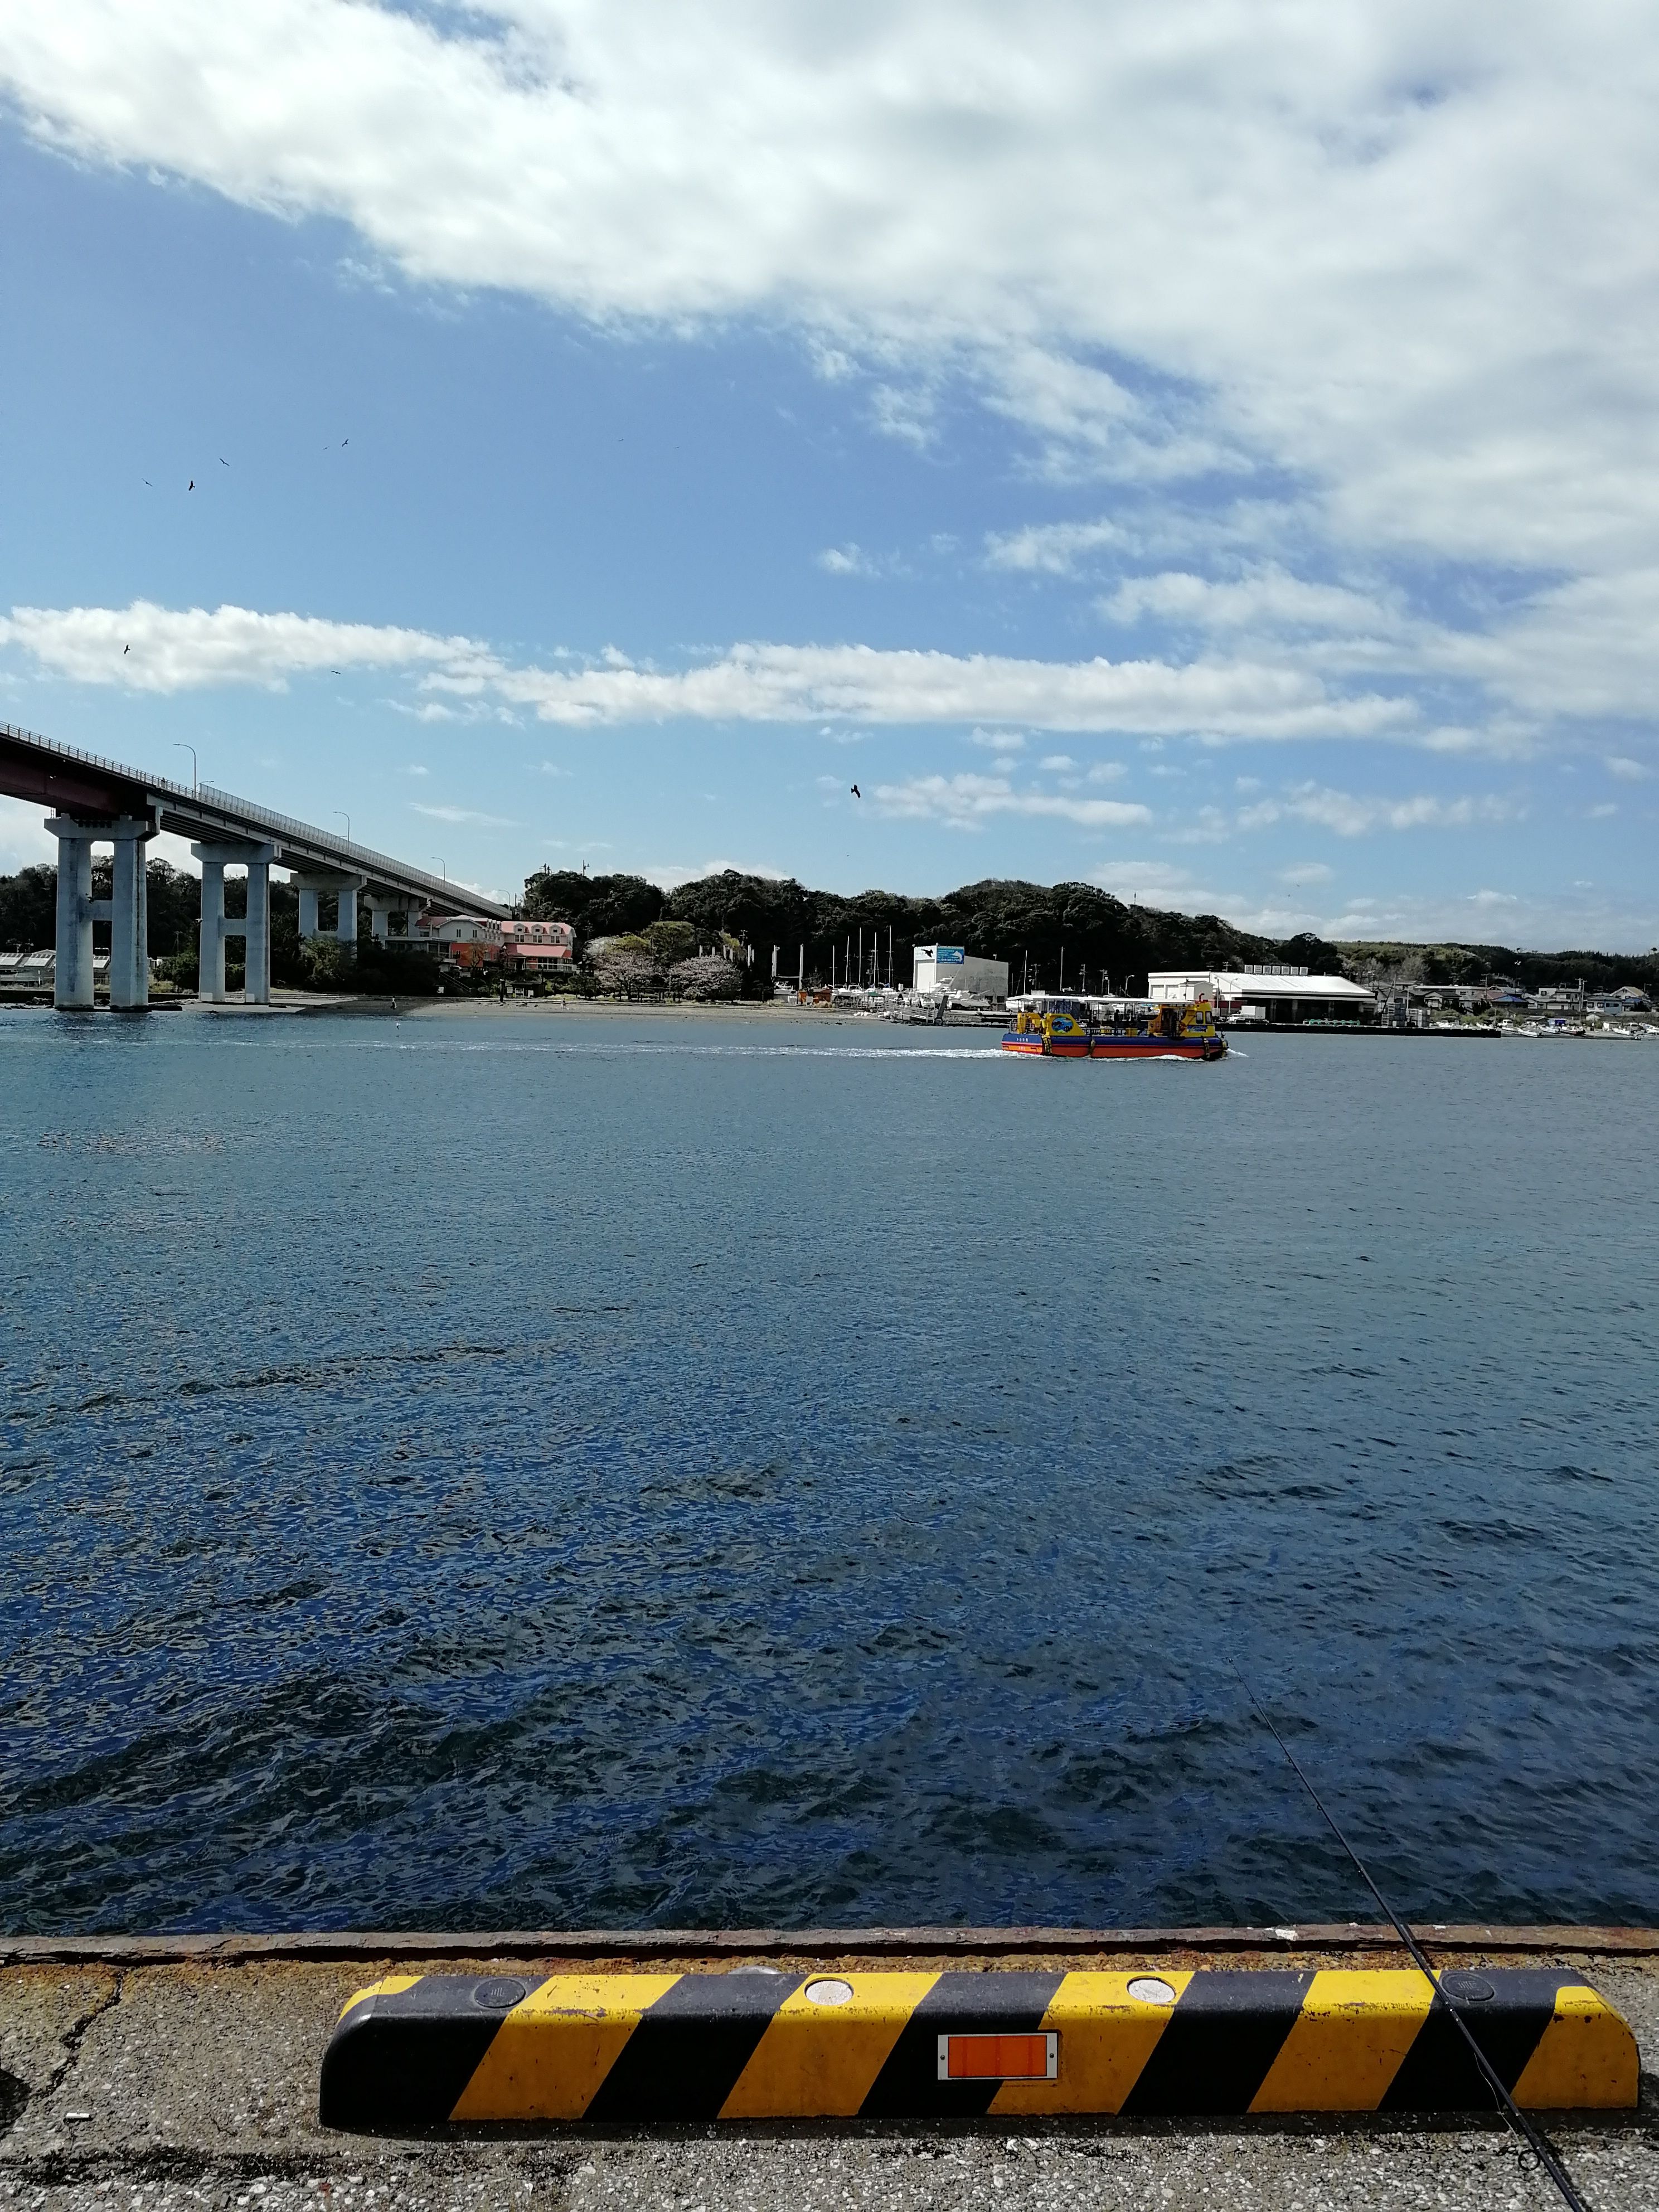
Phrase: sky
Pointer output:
(1207, 448)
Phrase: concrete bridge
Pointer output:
(91, 801)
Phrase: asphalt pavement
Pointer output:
(127, 2081)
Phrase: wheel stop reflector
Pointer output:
(413, 2054)
(998, 2057)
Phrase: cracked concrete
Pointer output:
(172, 2087)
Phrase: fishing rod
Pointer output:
(1530, 2134)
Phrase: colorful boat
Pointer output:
(1080, 1030)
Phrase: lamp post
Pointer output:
(346, 818)
(180, 744)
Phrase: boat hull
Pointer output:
(1117, 1047)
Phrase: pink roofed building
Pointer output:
(539, 946)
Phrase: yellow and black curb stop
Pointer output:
(418, 2052)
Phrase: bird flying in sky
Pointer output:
(857, 794)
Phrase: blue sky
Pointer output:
(1206, 450)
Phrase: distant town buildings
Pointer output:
(1279, 995)
(958, 973)
(538, 947)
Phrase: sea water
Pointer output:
(554, 1471)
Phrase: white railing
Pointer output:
(362, 859)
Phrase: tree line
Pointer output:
(1034, 927)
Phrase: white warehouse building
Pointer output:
(1265, 994)
(948, 968)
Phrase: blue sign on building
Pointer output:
(953, 953)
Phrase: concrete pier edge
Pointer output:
(347, 1946)
(182, 2071)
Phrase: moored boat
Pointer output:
(1082, 1030)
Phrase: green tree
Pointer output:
(671, 941)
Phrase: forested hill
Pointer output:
(1013, 921)
(1006, 920)
(1017, 922)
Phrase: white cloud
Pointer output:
(1301, 873)
(1586, 647)
(1056, 764)
(146, 647)
(968, 802)
(465, 814)
(779, 683)
(1158, 883)
(792, 683)
(1349, 815)
(1403, 251)
(1268, 598)
(1628, 770)
(999, 741)
(670, 875)
(846, 560)
(1582, 649)
(1055, 549)
(1398, 259)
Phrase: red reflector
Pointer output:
(998, 2057)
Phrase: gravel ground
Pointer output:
(167, 2088)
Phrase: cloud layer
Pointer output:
(1404, 251)
(146, 647)
(152, 649)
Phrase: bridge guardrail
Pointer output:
(361, 857)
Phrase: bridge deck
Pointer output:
(67, 780)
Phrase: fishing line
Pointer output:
(1512, 2112)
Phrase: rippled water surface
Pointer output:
(543, 1470)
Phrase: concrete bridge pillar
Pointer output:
(72, 987)
(210, 945)
(254, 929)
(129, 934)
(313, 883)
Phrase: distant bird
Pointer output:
(151, 486)
(345, 442)
(223, 463)
(857, 794)
(190, 486)
(127, 648)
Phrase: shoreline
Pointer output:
(1351, 1939)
